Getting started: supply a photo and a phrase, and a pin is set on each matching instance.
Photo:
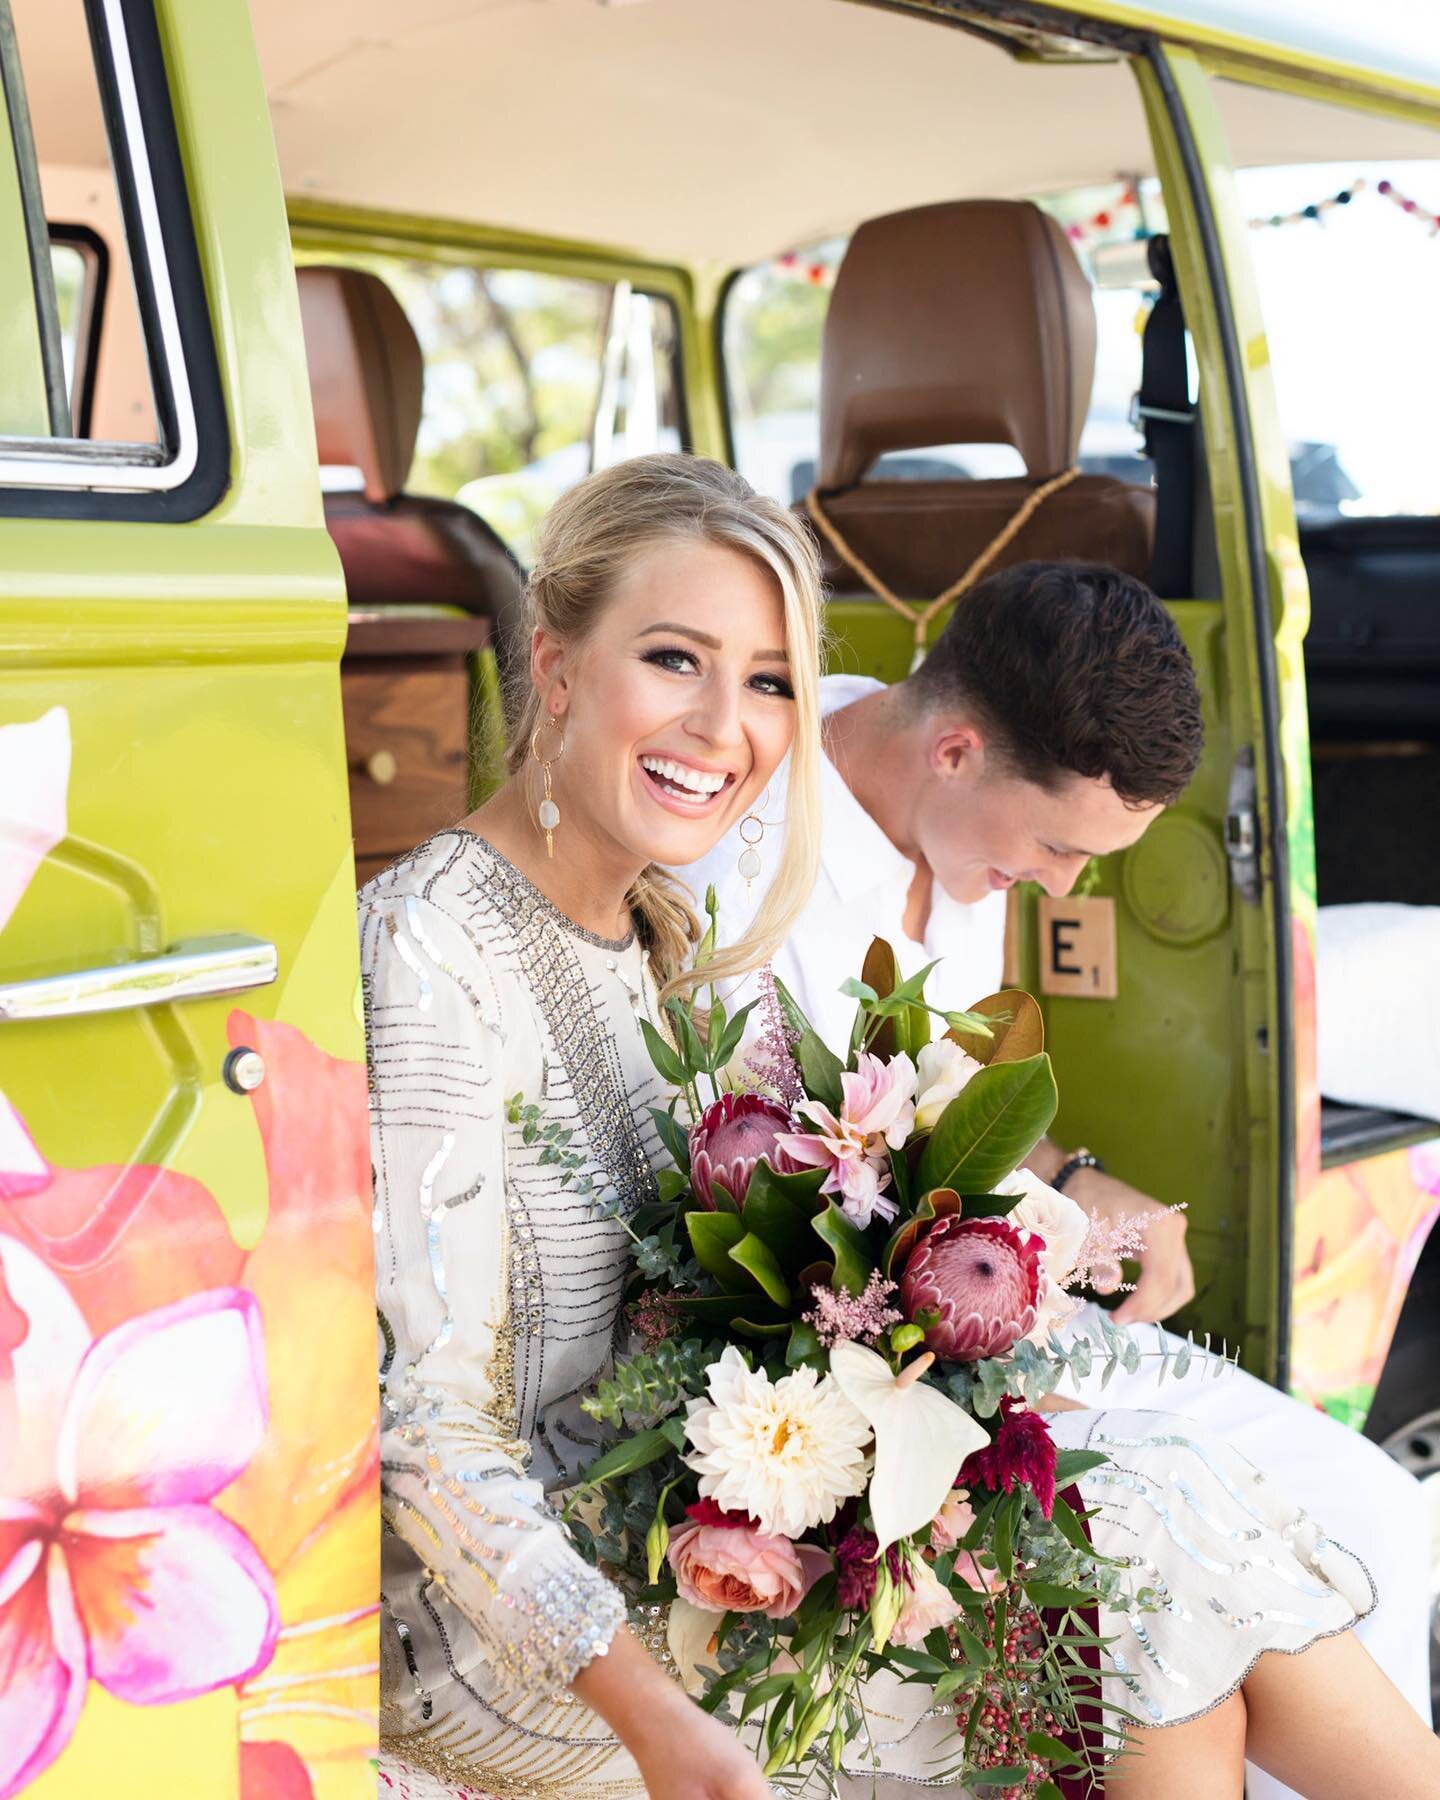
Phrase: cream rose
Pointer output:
(1051, 1216)
(943, 1069)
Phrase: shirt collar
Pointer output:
(854, 852)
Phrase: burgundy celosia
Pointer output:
(982, 1277)
(1021, 1454)
(858, 1568)
(735, 1133)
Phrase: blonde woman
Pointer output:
(507, 966)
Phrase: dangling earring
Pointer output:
(752, 831)
(547, 814)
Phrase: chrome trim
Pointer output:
(194, 970)
(69, 463)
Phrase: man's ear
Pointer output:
(548, 672)
(956, 747)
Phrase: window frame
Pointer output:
(94, 252)
(183, 475)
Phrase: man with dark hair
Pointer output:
(1055, 717)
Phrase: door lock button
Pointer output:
(244, 1070)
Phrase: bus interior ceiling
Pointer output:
(663, 128)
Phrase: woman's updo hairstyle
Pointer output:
(589, 538)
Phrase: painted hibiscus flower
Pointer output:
(113, 1563)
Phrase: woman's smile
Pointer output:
(683, 786)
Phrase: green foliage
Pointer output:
(651, 1384)
(991, 1126)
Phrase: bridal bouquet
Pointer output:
(826, 1458)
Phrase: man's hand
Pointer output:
(1167, 1279)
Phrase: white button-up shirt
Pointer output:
(860, 894)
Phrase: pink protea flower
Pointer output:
(734, 1134)
(1021, 1454)
(877, 1114)
(983, 1278)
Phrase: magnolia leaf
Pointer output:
(779, 1213)
(1017, 1030)
(881, 973)
(853, 1262)
(713, 1235)
(990, 1127)
(921, 1439)
(804, 1350)
(757, 1259)
(940, 1203)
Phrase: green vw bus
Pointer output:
(308, 311)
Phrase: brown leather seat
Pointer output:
(964, 323)
(366, 382)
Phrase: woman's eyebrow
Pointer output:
(704, 639)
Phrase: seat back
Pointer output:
(965, 322)
(366, 383)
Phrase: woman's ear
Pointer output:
(548, 672)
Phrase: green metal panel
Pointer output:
(191, 671)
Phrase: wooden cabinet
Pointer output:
(405, 685)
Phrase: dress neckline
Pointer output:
(543, 901)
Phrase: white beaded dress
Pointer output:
(499, 1285)
(498, 1288)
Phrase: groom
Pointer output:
(1055, 717)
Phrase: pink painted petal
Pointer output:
(168, 1407)
(174, 1599)
(43, 1674)
(808, 1149)
(34, 776)
(23, 1170)
(43, 1340)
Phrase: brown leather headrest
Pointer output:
(366, 375)
(970, 322)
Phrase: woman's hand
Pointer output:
(681, 1752)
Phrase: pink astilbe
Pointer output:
(1107, 1243)
(841, 1318)
(772, 1061)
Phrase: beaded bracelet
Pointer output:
(1082, 1159)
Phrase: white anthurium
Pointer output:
(921, 1438)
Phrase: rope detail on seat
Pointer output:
(920, 616)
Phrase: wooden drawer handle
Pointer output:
(382, 767)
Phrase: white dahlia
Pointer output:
(786, 1452)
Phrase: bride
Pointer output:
(507, 965)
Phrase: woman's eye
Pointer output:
(673, 658)
(773, 684)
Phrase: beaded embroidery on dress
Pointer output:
(499, 1286)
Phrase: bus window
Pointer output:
(88, 193)
(531, 381)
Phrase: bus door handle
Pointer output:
(197, 969)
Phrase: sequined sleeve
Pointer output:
(453, 1458)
